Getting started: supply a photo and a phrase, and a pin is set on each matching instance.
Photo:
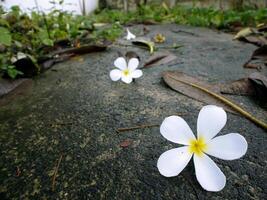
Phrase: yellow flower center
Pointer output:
(126, 72)
(198, 146)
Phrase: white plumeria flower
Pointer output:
(130, 36)
(125, 72)
(211, 120)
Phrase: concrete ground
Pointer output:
(71, 114)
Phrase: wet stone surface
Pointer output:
(73, 112)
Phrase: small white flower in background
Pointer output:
(211, 120)
(125, 72)
(130, 36)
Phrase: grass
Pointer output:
(205, 17)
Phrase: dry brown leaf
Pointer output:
(254, 85)
(259, 82)
(258, 77)
(240, 87)
(82, 49)
(253, 65)
(171, 77)
(259, 55)
(159, 58)
(131, 54)
(256, 40)
(193, 88)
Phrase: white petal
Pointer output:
(115, 74)
(137, 73)
(133, 64)
(120, 63)
(208, 173)
(227, 147)
(211, 119)
(175, 129)
(130, 35)
(172, 162)
(127, 79)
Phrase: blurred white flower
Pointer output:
(130, 36)
(125, 72)
(211, 120)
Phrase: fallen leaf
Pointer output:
(47, 64)
(244, 33)
(259, 82)
(81, 50)
(253, 65)
(256, 40)
(194, 93)
(159, 58)
(260, 55)
(143, 42)
(258, 77)
(195, 89)
(255, 85)
(131, 54)
(125, 143)
(239, 87)
(262, 27)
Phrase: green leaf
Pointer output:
(145, 43)
(48, 42)
(43, 35)
(13, 72)
(5, 36)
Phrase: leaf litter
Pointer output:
(204, 92)
(159, 58)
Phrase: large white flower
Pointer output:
(130, 36)
(211, 120)
(125, 72)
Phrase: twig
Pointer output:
(136, 127)
(142, 126)
(226, 101)
(186, 32)
(55, 172)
